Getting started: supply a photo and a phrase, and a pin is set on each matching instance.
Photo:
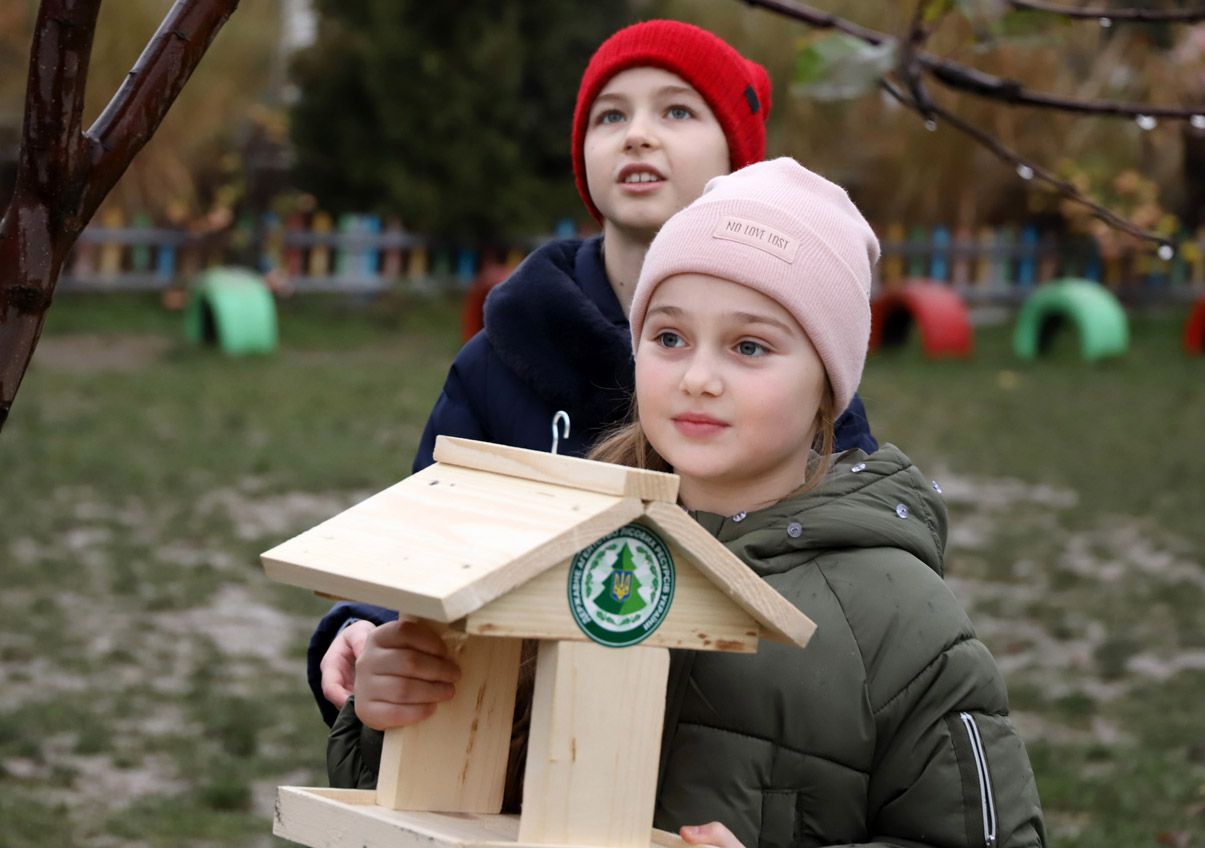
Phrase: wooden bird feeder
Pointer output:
(493, 545)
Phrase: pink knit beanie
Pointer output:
(790, 234)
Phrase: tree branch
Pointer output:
(52, 147)
(1028, 170)
(1148, 16)
(820, 20)
(965, 78)
(63, 174)
(149, 90)
(971, 80)
(909, 67)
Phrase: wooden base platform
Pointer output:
(341, 818)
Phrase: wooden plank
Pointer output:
(601, 477)
(342, 818)
(455, 761)
(444, 542)
(333, 818)
(595, 739)
(701, 617)
(782, 621)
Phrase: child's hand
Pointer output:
(338, 664)
(402, 674)
(713, 833)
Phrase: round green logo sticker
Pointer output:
(620, 588)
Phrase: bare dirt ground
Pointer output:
(1020, 605)
(87, 353)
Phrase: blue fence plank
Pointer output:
(939, 267)
(1027, 263)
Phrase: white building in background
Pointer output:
(299, 24)
(298, 29)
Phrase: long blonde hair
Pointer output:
(628, 445)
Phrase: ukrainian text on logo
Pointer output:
(621, 587)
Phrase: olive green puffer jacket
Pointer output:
(890, 727)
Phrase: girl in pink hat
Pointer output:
(750, 323)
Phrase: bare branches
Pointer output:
(64, 174)
(149, 90)
(54, 100)
(821, 20)
(909, 68)
(974, 81)
(1145, 16)
(1028, 170)
(1011, 92)
(915, 64)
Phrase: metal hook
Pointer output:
(561, 417)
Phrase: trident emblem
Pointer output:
(621, 585)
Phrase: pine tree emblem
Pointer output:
(621, 587)
(620, 593)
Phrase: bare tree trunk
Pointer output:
(64, 174)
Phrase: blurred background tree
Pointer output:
(458, 121)
(464, 129)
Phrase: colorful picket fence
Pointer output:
(1005, 263)
(368, 254)
(112, 254)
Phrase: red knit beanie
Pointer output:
(736, 89)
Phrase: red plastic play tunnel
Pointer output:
(1194, 330)
(937, 311)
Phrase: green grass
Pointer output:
(153, 678)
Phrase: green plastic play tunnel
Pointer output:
(233, 309)
(1091, 309)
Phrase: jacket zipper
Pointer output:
(986, 801)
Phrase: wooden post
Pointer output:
(272, 247)
(83, 261)
(294, 253)
(939, 263)
(466, 266)
(111, 249)
(320, 253)
(455, 761)
(416, 267)
(964, 244)
(918, 252)
(391, 262)
(1027, 262)
(893, 261)
(370, 258)
(347, 255)
(1004, 259)
(595, 740)
(984, 264)
(140, 251)
(1049, 258)
(165, 261)
(1092, 269)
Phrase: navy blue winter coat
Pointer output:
(555, 338)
